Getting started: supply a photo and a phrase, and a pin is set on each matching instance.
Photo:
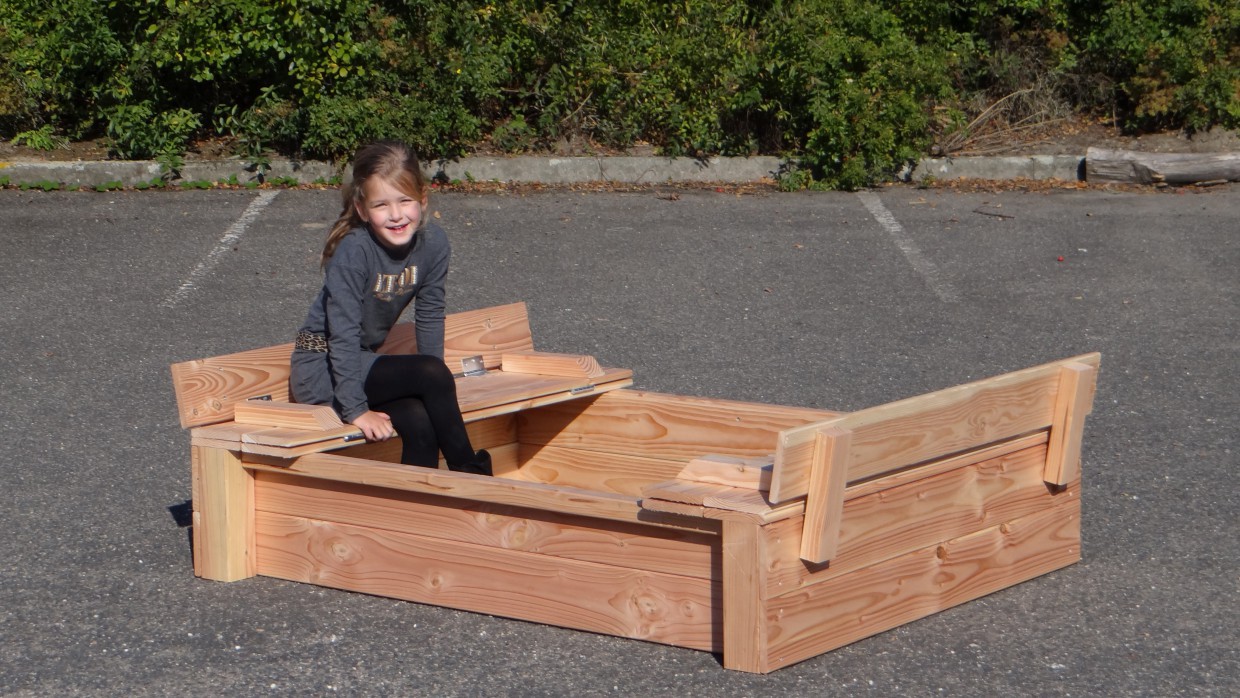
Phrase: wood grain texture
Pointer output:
(480, 397)
(228, 433)
(286, 415)
(518, 391)
(942, 465)
(1074, 401)
(893, 522)
(207, 389)
(622, 544)
(486, 331)
(823, 617)
(929, 426)
(750, 473)
(685, 491)
(657, 425)
(745, 640)
(600, 598)
(479, 488)
(223, 515)
(824, 504)
(551, 364)
(487, 433)
(292, 437)
(600, 472)
(739, 505)
(1130, 166)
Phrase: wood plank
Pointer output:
(924, 470)
(480, 488)
(597, 471)
(823, 617)
(286, 415)
(504, 393)
(750, 473)
(486, 331)
(740, 499)
(487, 432)
(744, 585)
(481, 398)
(825, 502)
(655, 425)
(551, 364)
(290, 438)
(223, 515)
(885, 524)
(384, 451)
(755, 510)
(343, 438)
(704, 494)
(623, 544)
(215, 443)
(758, 508)
(928, 426)
(1074, 400)
(681, 491)
(599, 598)
(224, 431)
(207, 389)
(493, 431)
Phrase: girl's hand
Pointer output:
(377, 426)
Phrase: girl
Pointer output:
(381, 254)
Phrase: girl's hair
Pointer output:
(391, 161)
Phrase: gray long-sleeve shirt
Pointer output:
(366, 287)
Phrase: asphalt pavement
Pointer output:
(835, 300)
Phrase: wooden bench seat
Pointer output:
(241, 400)
(766, 533)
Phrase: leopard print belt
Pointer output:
(308, 341)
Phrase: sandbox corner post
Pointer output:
(745, 643)
(223, 523)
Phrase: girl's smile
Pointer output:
(392, 214)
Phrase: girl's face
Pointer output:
(393, 215)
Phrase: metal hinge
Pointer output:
(473, 366)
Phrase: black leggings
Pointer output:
(418, 392)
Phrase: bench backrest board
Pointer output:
(819, 460)
(207, 389)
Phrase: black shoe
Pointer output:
(480, 465)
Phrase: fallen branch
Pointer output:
(1160, 168)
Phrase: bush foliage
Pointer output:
(848, 89)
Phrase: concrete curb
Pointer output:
(532, 169)
(1066, 167)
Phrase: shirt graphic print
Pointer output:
(390, 286)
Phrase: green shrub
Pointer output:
(42, 138)
(56, 62)
(1174, 64)
(850, 89)
(136, 132)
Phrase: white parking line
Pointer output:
(928, 270)
(231, 236)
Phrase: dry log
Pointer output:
(1160, 168)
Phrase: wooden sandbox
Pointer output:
(766, 534)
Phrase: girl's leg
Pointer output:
(428, 380)
(417, 435)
